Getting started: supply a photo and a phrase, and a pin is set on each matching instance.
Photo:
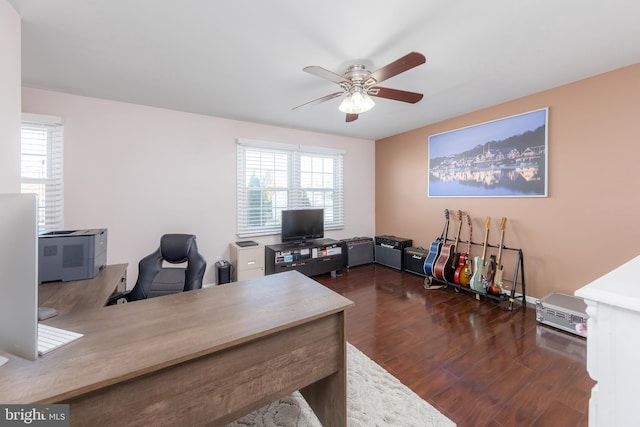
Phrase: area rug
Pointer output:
(374, 398)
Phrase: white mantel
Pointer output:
(613, 345)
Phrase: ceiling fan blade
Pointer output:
(351, 117)
(395, 94)
(398, 66)
(325, 74)
(319, 100)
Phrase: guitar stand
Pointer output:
(428, 284)
(510, 296)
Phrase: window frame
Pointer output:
(50, 149)
(289, 160)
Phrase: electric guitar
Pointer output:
(452, 262)
(479, 268)
(434, 249)
(444, 258)
(462, 275)
(489, 271)
(496, 284)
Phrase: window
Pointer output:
(274, 177)
(41, 167)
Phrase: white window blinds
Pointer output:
(272, 177)
(42, 167)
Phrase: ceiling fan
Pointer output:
(359, 85)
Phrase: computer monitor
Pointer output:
(19, 275)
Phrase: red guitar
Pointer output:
(462, 275)
(444, 259)
(495, 287)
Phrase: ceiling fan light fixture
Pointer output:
(357, 102)
(357, 85)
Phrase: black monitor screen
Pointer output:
(302, 224)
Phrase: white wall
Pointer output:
(142, 172)
(9, 99)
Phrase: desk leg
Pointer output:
(328, 397)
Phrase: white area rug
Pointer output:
(374, 398)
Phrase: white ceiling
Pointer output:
(243, 59)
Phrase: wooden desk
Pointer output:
(203, 357)
(80, 295)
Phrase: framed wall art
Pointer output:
(501, 158)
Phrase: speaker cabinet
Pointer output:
(357, 251)
(389, 250)
(414, 260)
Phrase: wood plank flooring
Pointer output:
(477, 362)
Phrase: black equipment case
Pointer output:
(414, 260)
(357, 251)
(389, 250)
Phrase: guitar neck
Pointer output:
(484, 248)
(458, 235)
(500, 249)
(486, 237)
(445, 230)
(469, 234)
(502, 228)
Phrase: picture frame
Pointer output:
(507, 157)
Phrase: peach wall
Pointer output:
(142, 172)
(588, 224)
(9, 99)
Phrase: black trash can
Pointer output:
(223, 269)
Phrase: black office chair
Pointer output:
(154, 280)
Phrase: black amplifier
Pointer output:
(389, 249)
(414, 260)
(393, 242)
(357, 251)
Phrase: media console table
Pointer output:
(311, 258)
(204, 357)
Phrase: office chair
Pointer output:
(154, 280)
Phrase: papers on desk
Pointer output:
(50, 338)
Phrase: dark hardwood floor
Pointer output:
(477, 362)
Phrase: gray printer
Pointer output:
(71, 254)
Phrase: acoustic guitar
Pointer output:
(462, 275)
(452, 262)
(434, 249)
(479, 267)
(495, 287)
(444, 258)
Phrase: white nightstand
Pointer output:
(247, 261)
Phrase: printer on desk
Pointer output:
(71, 254)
